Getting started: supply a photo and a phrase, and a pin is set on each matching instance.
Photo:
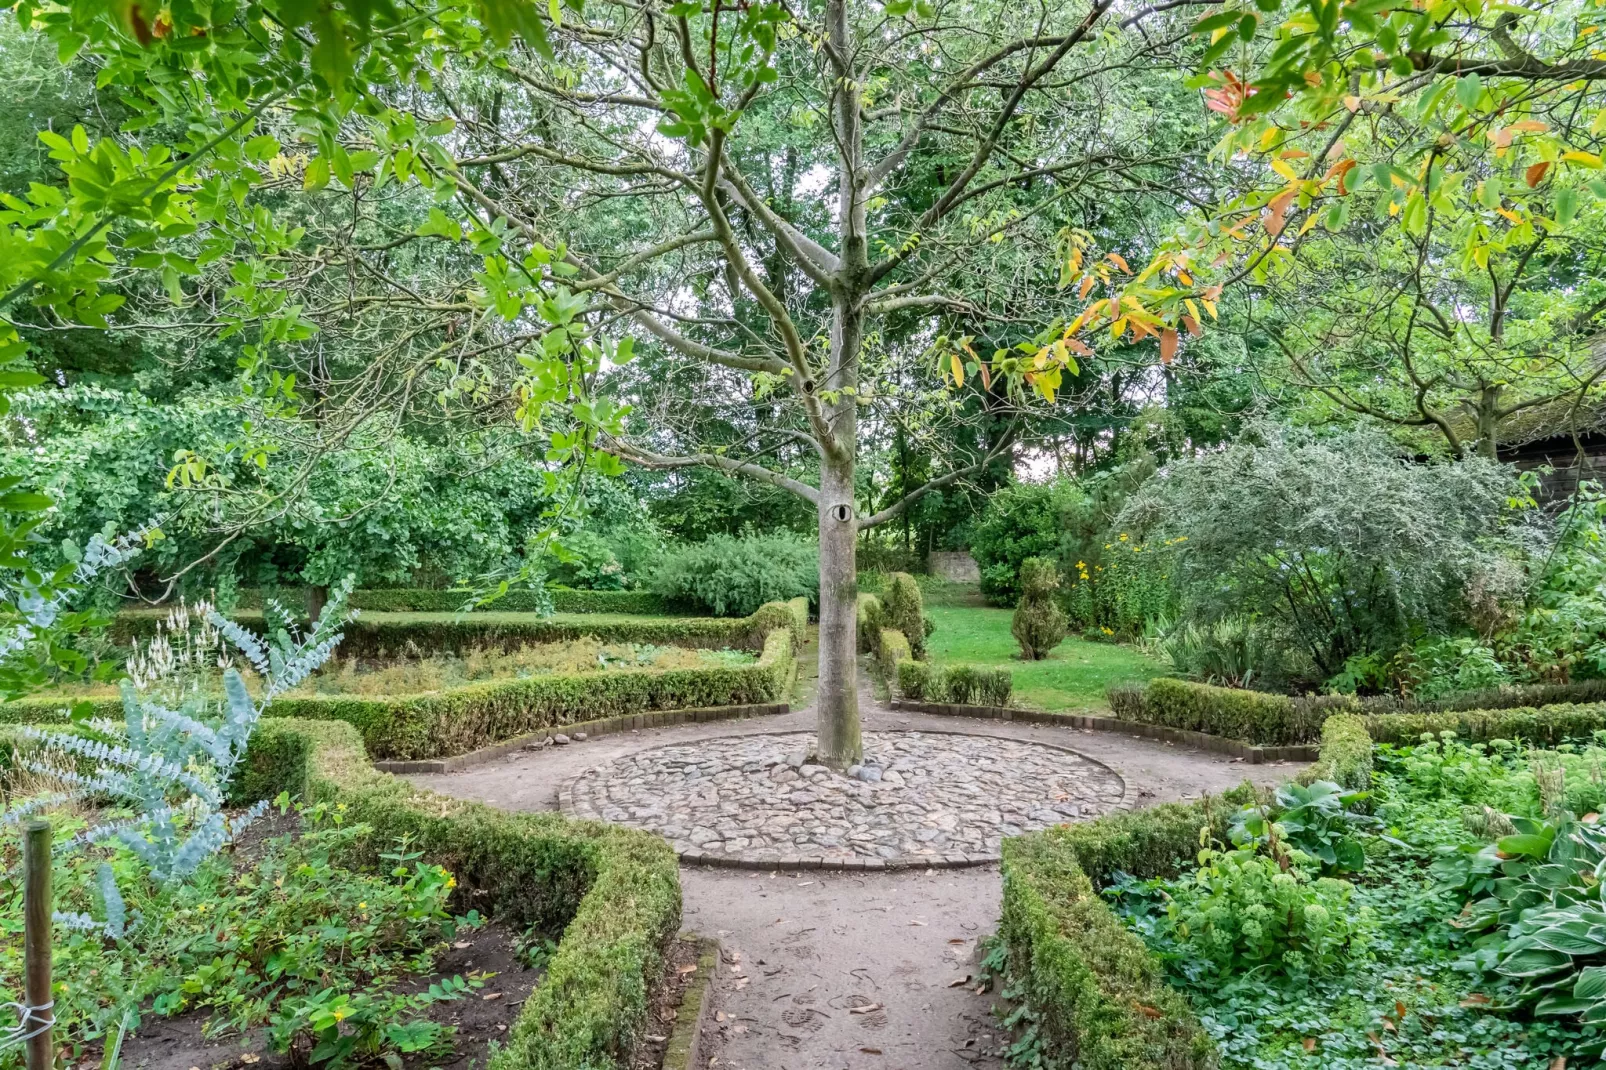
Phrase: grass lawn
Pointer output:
(1073, 676)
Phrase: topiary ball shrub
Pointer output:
(1040, 624)
(731, 576)
(902, 608)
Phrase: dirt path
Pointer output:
(804, 950)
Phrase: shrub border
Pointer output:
(604, 727)
(1235, 748)
(431, 726)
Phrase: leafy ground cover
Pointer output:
(1073, 676)
(1457, 924)
(290, 941)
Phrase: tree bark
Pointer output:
(839, 742)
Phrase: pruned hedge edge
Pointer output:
(614, 892)
(1099, 996)
(959, 685)
(451, 600)
(1269, 719)
(442, 724)
(386, 635)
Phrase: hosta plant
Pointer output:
(1318, 820)
(1538, 892)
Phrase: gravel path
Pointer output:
(850, 971)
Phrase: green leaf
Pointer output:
(1591, 983)
(1468, 91)
(1530, 844)
(1533, 962)
(25, 501)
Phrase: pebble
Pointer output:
(560, 739)
(579, 737)
(916, 795)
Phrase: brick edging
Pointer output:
(685, 1049)
(1235, 748)
(603, 727)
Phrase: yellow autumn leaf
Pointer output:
(1210, 307)
(1282, 168)
(959, 369)
(1117, 328)
(1193, 309)
(1587, 159)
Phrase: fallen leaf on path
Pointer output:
(1310, 1043)
(959, 981)
(866, 1009)
(490, 996)
(871, 1051)
(689, 968)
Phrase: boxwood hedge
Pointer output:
(432, 600)
(441, 724)
(1278, 720)
(1099, 997)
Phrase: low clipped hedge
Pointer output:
(441, 724)
(1267, 719)
(960, 685)
(1346, 754)
(1545, 725)
(1098, 995)
(614, 893)
(387, 635)
(435, 600)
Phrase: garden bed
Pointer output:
(456, 721)
(1123, 954)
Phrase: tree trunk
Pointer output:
(840, 742)
(317, 598)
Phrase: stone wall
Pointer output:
(954, 566)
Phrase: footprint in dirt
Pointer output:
(867, 1012)
(804, 1018)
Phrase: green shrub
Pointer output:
(1252, 716)
(1126, 700)
(613, 892)
(1277, 720)
(726, 574)
(390, 635)
(518, 600)
(1039, 624)
(1545, 725)
(1099, 997)
(1021, 521)
(960, 685)
(1346, 754)
(892, 649)
(411, 727)
(870, 619)
(904, 610)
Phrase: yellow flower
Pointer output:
(1123, 536)
(362, 906)
(1108, 545)
(451, 882)
(340, 1014)
(1082, 565)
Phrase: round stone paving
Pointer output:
(920, 799)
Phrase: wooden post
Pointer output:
(36, 944)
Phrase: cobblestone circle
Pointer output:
(919, 799)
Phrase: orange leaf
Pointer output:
(1168, 345)
(1119, 261)
(1080, 348)
(1399, 1011)
(1536, 173)
(986, 377)
(1310, 1043)
(1341, 170)
(1277, 211)
(1082, 291)
(1193, 326)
